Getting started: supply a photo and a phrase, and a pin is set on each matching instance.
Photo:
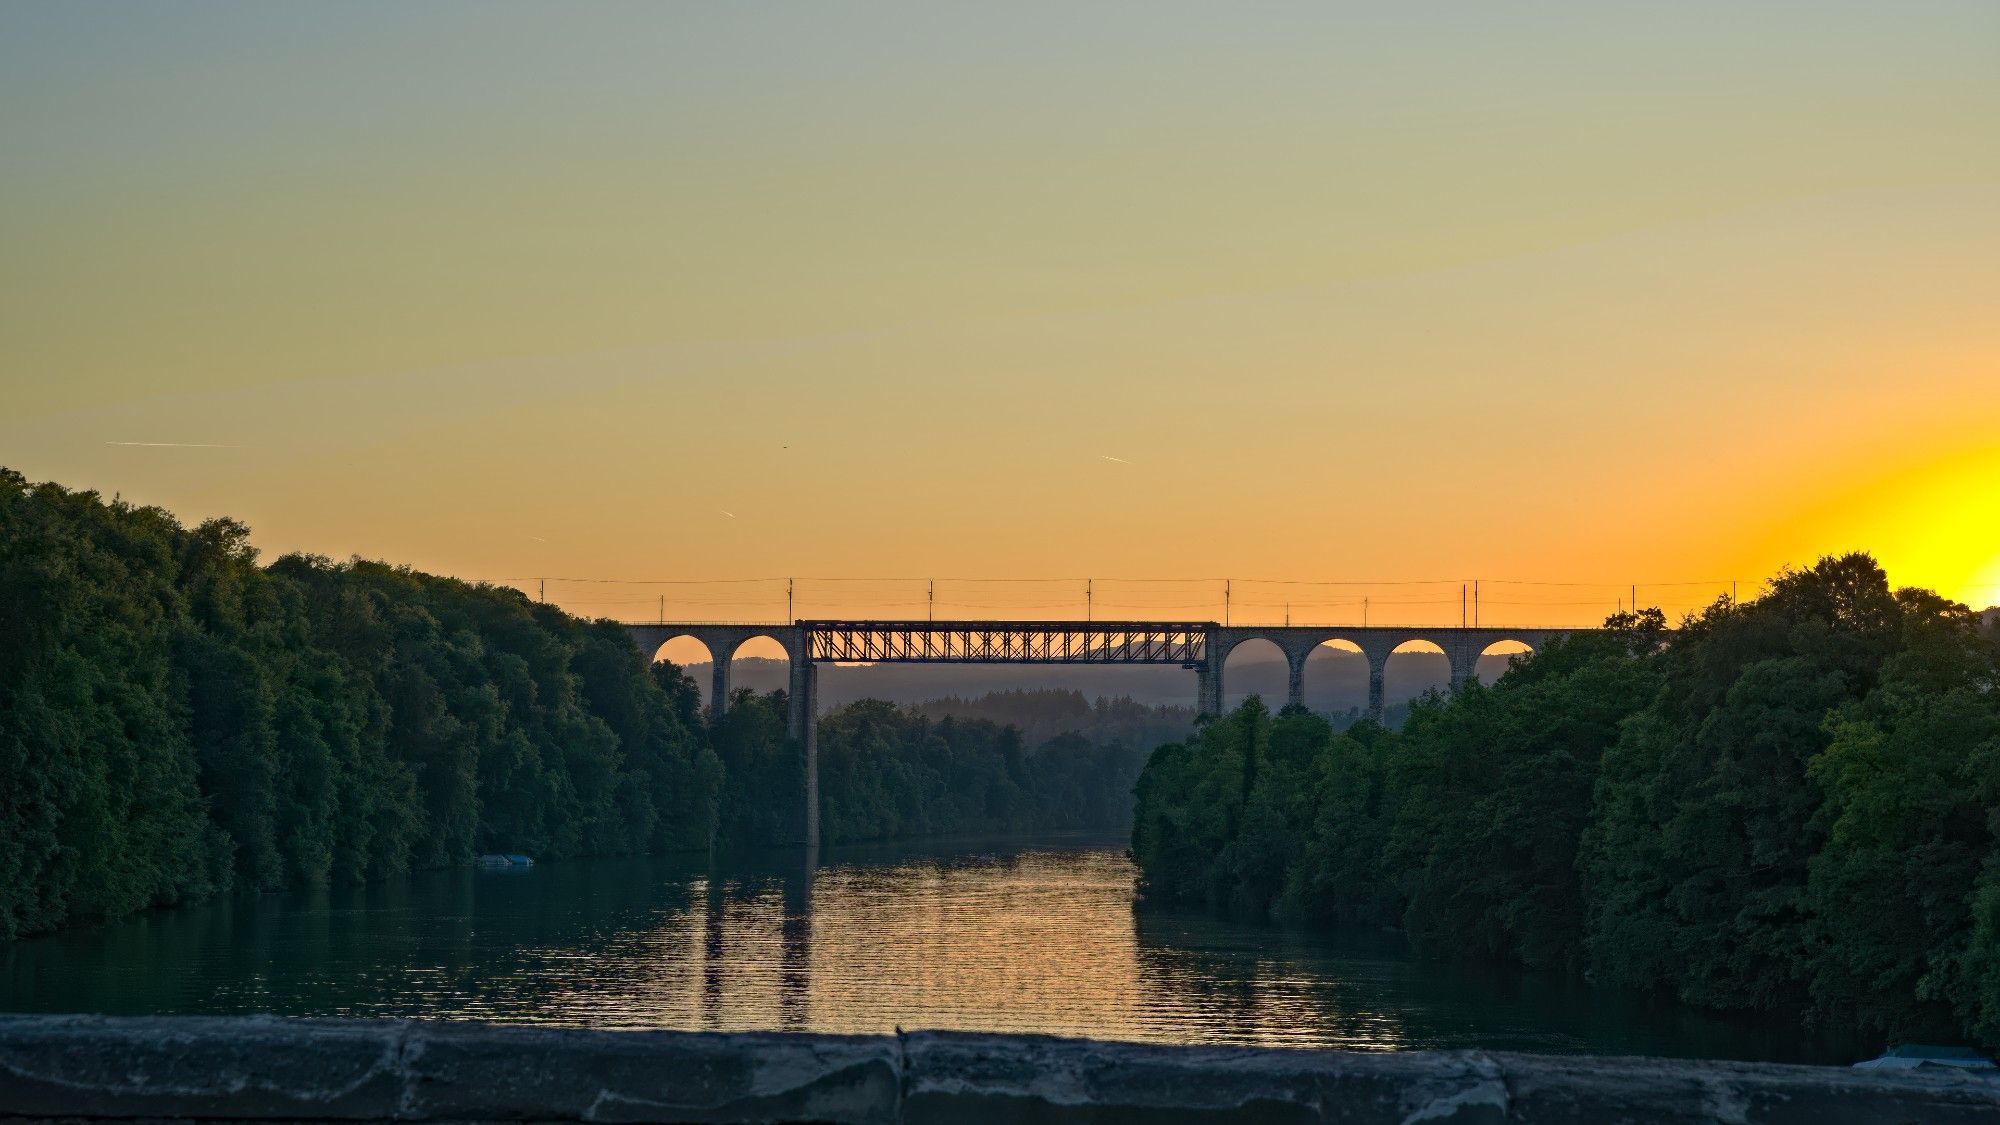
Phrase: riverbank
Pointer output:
(81, 1068)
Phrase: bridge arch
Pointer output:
(733, 673)
(1333, 677)
(1257, 666)
(1417, 664)
(748, 645)
(1495, 657)
(683, 650)
(751, 645)
(719, 646)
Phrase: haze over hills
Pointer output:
(1336, 681)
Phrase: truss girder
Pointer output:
(1005, 642)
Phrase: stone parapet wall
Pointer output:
(88, 1068)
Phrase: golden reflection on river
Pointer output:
(1042, 941)
(1023, 936)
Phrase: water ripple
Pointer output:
(990, 938)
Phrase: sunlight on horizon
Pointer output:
(1553, 294)
(1934, 524)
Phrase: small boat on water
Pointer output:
(1924, 1056)
(497, 859)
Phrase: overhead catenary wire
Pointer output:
(1080, 580)
(1008, 597)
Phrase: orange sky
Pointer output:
(1313, 293)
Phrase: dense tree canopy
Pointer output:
(1046, 713)
(888, 772)
(1784, 805)
(176, 720)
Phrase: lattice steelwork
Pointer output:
(1007, 642)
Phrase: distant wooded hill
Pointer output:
(1045, 714)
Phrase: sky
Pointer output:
(1321, 304)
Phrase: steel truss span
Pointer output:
(1008, 642)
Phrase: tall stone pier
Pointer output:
(801, 689)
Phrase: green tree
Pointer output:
(175, 718)
(1493, 791)
(1909, 783)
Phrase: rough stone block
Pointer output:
(81, 1069)
(201, 1067)
(973, 1079)
(481, 1073)
(980, 1079)
(965, 1079)
(1563, 1089)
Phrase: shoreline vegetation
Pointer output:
(1784, 806)
(177, 720)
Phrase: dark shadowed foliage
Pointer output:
(1785, 805)
(175, 719)
(889, 772)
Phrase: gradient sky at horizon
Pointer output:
(1553, 292)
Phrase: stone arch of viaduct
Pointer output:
(1462, 647)
(1201, 647)
(723, 642)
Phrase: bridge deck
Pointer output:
(1185, 643)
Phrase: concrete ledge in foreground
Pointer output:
(91, 1068)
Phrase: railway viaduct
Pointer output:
(1202, 647)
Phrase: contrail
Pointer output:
(731, 515)
(175, 444)
(1109, 457)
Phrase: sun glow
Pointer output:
(1935, 524)
(1984, 588)
(1950, 537)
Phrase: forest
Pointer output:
(1044, 713)
(1784, 805)
(177, 720)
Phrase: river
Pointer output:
(1022, 936)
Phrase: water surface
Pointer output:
(1036, 936)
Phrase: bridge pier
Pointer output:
(1295, 683)
(718, 691)
(802, 723)
(1378, 666)
(1465, 663)
(1208, 689)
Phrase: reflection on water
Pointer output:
(1034, 937)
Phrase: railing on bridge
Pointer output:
(995, 642)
